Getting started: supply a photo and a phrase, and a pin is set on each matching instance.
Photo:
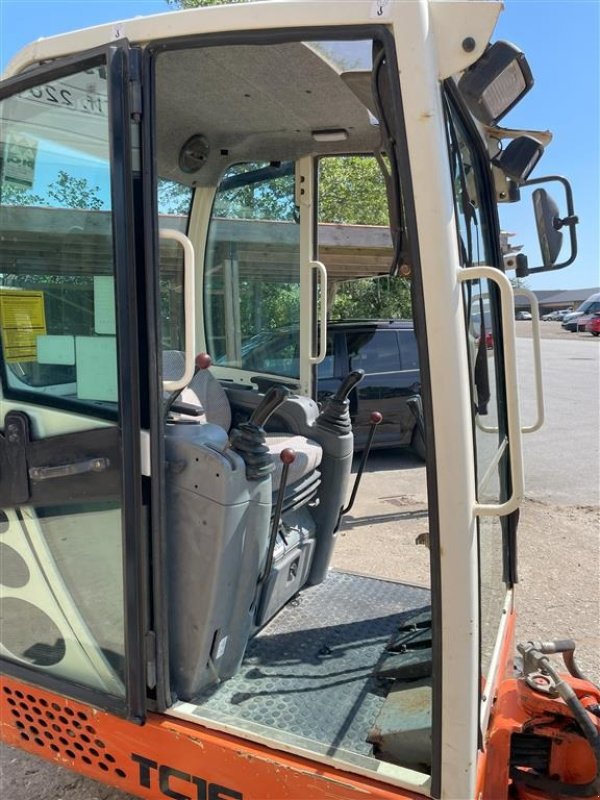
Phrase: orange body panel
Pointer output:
(519, 709)
(168, 757)
(505, 671)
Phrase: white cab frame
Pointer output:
(429, 36)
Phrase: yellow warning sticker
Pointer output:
(22, 320)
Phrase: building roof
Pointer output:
(557, 297)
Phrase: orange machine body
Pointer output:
(167, 757)
(550, 727)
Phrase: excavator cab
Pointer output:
(181, 198)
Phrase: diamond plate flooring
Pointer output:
(308, 673)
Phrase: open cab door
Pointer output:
(70, 476)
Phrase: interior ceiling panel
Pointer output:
(255, 103)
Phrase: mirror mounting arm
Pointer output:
(572, 219)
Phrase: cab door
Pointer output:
(70, 481)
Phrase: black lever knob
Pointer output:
(269, 404)
(350, 381)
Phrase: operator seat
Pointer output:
(205, 391)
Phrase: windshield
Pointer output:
(252, 271)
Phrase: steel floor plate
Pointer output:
(309, 672)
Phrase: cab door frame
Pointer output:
(120, 76)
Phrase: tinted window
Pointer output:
(374, 351)
(409, 355)
(326, 368)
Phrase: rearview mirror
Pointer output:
(542, 232)
(546, 215)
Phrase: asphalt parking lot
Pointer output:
(559, 542)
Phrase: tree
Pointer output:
(65, 191)
(352, 192)
(70, 192)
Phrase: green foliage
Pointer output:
(13, 195)
(65, 192)
(279, 307)
(352, 191)
(173, 198)
(372, 298)
(71, 192)
(267, 199)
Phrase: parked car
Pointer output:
(589, 306)
(593, 326)
(557, 315)
(387, 352)
(520, 315)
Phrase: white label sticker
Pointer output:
(56, 350)
(96, 366)
(104, 305)
(380, 9)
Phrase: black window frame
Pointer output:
(117, 58)
(455, 113)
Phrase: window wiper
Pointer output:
(277, 169)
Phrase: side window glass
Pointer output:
(174, 202)
(252, 269)
(326, 368)
(374, 353)
(57, 295)
(353, 208)
(409, 354)
(492, 451)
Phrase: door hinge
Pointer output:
(151, 660)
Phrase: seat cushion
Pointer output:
(308, 456)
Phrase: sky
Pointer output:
(561, 39)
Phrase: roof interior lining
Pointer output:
(254, 103)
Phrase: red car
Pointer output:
(593, 325)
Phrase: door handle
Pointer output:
(67, 470)
(512, 391)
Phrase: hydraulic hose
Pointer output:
(542, 782)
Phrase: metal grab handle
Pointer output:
(320, 268)
(189, 277)
(537, 367)
(512, 393)
(67, 470)
(537, 359)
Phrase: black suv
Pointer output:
(387, 352)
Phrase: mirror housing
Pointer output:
(496, 82)
(519, 158)
(549, 235)
(549, 224)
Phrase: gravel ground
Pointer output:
(558, 594)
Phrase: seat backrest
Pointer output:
(213, 398)
(203, 388)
